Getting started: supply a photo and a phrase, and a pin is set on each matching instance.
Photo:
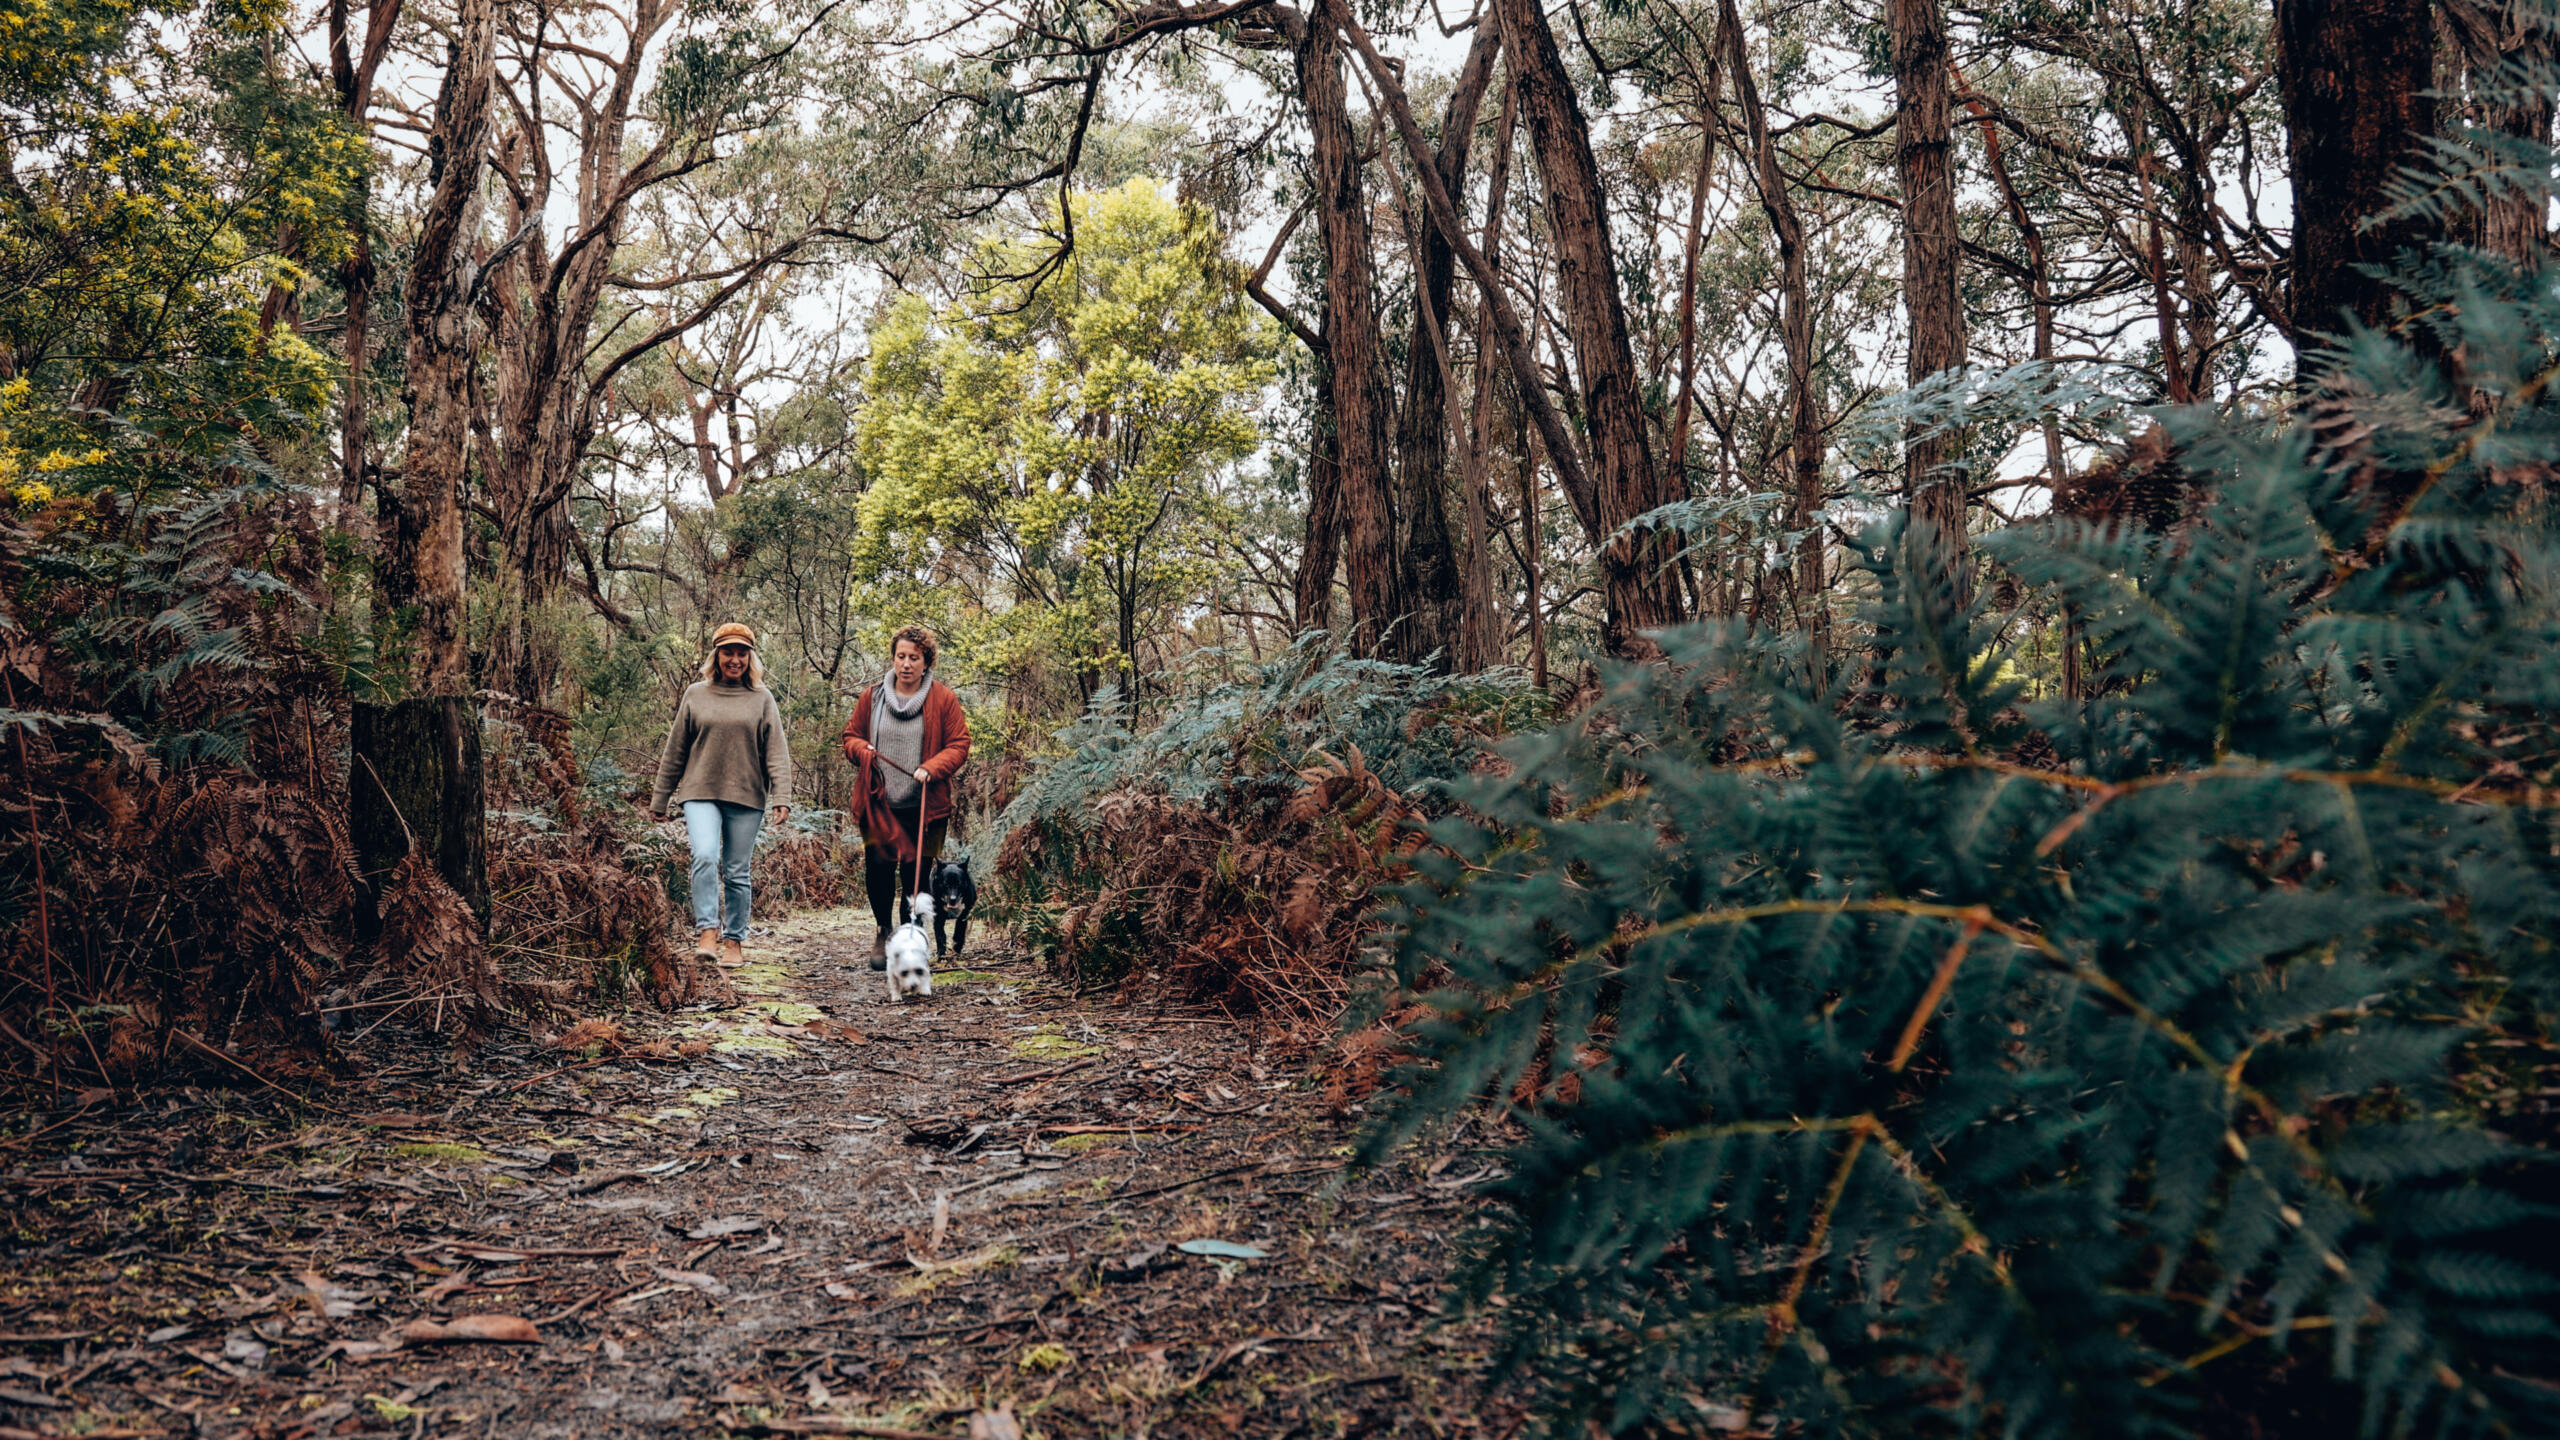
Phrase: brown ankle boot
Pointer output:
(707, 943)
(880, 950)
(733, 954)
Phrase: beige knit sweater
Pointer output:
(726, 744)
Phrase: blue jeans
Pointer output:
(723, 837)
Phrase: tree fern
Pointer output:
(1912, 1057)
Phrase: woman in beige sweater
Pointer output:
(725, 760)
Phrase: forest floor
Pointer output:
(960, 1217)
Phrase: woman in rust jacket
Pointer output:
(909, 739)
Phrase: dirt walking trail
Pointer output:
(966, 1217)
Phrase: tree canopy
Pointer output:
(1056, 457)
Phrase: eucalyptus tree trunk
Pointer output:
(1322, 553)
(1355, 380)
(1479, 642)
(426, 555)
(2487, 33)
(1795, 325)
(2357, 77)
(416, 763)
(351, 73)
(1432, 578)
(1932, 254)
(1641, 591)
(544, 306)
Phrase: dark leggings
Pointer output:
(887, 880)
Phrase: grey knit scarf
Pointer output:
(885, 700)
(909, 707)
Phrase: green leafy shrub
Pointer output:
(1899, 1057)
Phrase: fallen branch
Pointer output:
(817, 1426)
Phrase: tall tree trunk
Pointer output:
(351, 72)
(417, 773)
(1641, 591)
(547, 408)
(441, 352)
(2039, 270)
(1322, 552)
(1932, 255)
(1931, 267)
(1432, 581)
(1356, 379)
(1795, 323)
(2356, 77)
(1710, 109)
(2487, 33)
(1479, 641)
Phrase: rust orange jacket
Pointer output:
(946, 746)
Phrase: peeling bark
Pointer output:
(1432, 578)
(1356, 377)
(1641, 591)
(425, 563)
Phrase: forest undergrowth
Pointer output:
(181, 896)
(1234, 852)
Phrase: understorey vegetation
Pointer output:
(1901, 1054)
(1232, 852)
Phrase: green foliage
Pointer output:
(1064, 440)
(1905, 1058)
(1276, 718)
(158, 192)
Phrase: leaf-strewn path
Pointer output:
(940, 1219)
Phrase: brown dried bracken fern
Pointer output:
(1262, 909)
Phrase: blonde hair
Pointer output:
(755, 667)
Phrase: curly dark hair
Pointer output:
(921, 638)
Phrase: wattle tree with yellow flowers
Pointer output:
(170, 186)
(1048, 459)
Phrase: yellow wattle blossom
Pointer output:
(65, 460)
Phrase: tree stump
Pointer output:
(416, 779)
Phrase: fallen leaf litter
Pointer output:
(1010, 1211)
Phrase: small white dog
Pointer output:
(911, 954)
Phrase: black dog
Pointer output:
(955, 894)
